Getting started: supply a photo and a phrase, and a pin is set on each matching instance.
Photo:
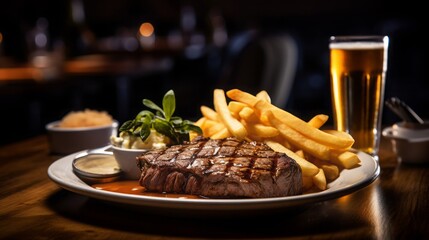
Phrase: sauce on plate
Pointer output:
(133, 187)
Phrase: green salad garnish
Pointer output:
(162, 121)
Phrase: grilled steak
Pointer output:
(225, 168)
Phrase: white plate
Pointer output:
(349, 181)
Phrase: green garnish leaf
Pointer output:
(144, 113)
(169, 104)
(126, 126)
(165, 128)
(162, 121)
(148, 103)
(176, 120)
(144, 132)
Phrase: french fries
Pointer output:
(318, 120)
(320, 180)
(248, 114)
(291, 120)
(308, 169)
(209, 113)
(296, 138)
(263, 95)
(321, 154)
(234, 126)
(261, 130)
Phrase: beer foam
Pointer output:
(356, 45)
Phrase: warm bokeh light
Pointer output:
(1, 37)
(146, 29)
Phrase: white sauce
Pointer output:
(98, 164)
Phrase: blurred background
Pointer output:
(62, 56)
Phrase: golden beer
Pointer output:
(358, 72)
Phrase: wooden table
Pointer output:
(394, 206)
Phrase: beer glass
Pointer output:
(358, 66)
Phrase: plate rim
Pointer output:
(211, 204)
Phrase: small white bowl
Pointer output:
(70, 140)
(409, 141)
(127, 161)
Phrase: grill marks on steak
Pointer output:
(225, 168)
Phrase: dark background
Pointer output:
(26, 106)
